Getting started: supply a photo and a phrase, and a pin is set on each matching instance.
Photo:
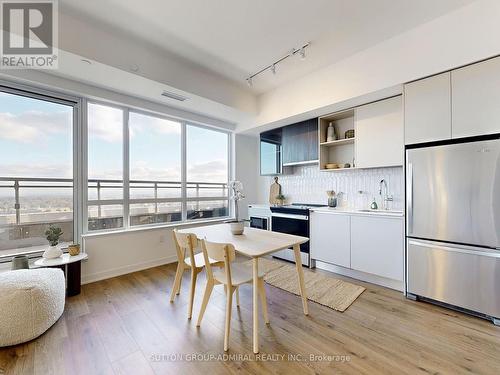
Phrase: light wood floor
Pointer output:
(126, 325)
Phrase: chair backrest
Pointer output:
(183, 242)
(220, 252)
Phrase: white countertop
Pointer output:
(265, 206)
(352, 211)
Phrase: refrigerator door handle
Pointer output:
(457, 248)
(409, 199)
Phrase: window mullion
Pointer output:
(126, 169)
(183, 170)
(83, 162)
(231, 170)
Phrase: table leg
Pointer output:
(73, 278)
(255, 305)
(300, 274)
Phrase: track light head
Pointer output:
(273, 68)
(249, 82)
(302, 53)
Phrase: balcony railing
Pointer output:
(28, 206)
(162, 191)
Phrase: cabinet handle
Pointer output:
(409, 199)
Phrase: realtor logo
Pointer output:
(29, 34)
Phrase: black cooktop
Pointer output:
(305, 205)
(296, 208)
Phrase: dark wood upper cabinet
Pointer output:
(300, 142)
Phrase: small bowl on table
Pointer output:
(74, 249)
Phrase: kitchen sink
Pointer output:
(380, 211)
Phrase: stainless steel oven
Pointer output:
(292, 224)
(292, 219)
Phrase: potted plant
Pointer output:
(236, 189)
(280, 198)
(53, 234)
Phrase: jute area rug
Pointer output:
(323, 289)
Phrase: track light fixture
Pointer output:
(272, 67)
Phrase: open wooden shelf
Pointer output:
(338, 169)
(340, 151)
(338, 142)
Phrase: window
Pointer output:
(36, 170)
(155, 170)
(270, 158)
(136, 169)
(105, 167)
(154, 189)
(207, 173)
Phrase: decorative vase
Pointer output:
(237, 227)
(74, 249)
(52, 252)
(20, 262)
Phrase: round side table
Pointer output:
(72, 268)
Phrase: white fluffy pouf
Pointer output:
(31, 301)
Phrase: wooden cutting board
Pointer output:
(274, 191)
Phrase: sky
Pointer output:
(36, 141)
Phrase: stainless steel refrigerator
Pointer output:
(453, 225)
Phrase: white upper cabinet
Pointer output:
(379, 134)
(476, 99)
(427, 109)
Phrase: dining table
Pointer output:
(256, 243)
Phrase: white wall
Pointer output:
(247, 168)
(116, 254)
(460, 37)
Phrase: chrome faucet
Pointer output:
(384, 194)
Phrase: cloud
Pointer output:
(210, 171)
(105, 123)
(36, 170)
(32, 126)
(139, 123)
(141, 171)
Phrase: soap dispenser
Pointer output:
(374, 205)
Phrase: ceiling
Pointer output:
(237, 38)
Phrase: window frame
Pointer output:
(126, 171)
(77, 103)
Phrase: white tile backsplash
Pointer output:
(308, 185)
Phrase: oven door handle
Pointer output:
(290, 216)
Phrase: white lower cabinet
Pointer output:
(370, 244)
(377, 246)
(330, 238)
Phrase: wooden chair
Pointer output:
(188, 242)
(231, 276)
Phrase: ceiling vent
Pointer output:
(174, 96)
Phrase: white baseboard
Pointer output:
(369, 278)
(90, 278)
